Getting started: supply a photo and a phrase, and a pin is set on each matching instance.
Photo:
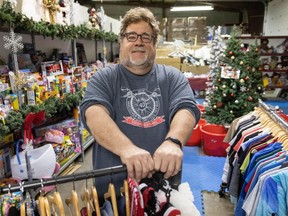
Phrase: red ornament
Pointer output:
(246, 78)
(219, 104)
(232, 94)
(231, 53)
(219, 80)
(248, 67)
(250, 98)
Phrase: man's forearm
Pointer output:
(182, 125)
(105, 131)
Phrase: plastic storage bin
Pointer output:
(212, 138)
(195, 138)
(284, 116)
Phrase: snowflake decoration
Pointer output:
(243, 88)
(13, 42)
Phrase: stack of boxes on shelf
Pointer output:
(187, 29)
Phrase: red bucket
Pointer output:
(212, 139)
(201, 108)
(284, 116)
(195, 138)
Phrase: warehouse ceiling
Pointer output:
(228, 5)
(226, 12)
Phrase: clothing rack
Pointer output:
(24, 186)
(273, 114)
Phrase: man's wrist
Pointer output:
(175, 141)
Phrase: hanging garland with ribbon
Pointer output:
(67, 32)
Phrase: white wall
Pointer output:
(48, 44)
(276, 18)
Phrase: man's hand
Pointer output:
(168, 159)
(139, 163)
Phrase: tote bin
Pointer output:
(195, 138)
(212, 139)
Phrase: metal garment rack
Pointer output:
(29, 185)
(273, 114)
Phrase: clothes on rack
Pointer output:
(254, 165)
(137, 198)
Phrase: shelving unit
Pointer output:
(273, 91)
(76, 155)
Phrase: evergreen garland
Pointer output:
(54, 107)
(22, 23)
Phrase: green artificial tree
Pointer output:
(236, 84)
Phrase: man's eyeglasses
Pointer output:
(132, 37)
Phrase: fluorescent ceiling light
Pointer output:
(191, 8)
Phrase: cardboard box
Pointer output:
(7, 140)
(85, 136)
(64, 126)
(174, 62)
(5, 161)
(163, 52)
(179, 22)
(195, 69)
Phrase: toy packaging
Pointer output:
(63, 136)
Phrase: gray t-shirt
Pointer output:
(141, 106)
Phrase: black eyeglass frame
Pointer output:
(152, 37)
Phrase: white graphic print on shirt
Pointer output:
(143, 106)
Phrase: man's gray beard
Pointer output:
(143, 65)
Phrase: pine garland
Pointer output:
(54, 107)
(22, 23)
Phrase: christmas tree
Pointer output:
(236, 82)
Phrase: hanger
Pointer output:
(87, 199)
(112, 195)
(283, 137)
(23, 209)
(73, 199)
(56, 200)
(47, 206)
(43, 206)
(96, 201)
(88, 202)
(284, 140)
(125, 190)
(23, 203)
(42, 203)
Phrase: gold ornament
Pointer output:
(232, 57)
(241, 62)
(20, 80)
(52, 7)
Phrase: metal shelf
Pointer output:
(75, 156)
